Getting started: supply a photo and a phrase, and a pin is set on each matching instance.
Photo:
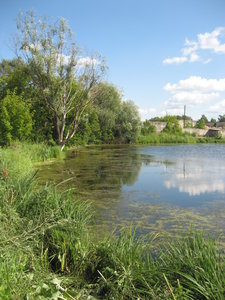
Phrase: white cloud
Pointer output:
(87, 61)
(194, 57)
(193, 92)
(205, 62)
(205, 41)
(218, 108)
(191, 46)
(210, 40)
(175, 60)
(197, 83)
(191, 98)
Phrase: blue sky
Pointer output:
(162, 54)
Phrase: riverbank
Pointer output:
(48, 248)
(168, 138)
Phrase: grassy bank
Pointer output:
(168, 138)
(48, 249)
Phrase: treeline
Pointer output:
(50, 92)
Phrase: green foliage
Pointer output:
(147, 128)
(15, 119)
(28, 214)
(213, 120)
(221, 118)
(53, 59)
(188, 124)
(108, 105)
(128, 123)
(163, 119)
(110, 121)
(197, 264)
(14, 76)
(201, 122)
(172, 126)
(92, 132)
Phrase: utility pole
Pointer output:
(184, 114)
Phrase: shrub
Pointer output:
(15, 119)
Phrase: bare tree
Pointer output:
(65, 79)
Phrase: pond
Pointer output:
(163, 189)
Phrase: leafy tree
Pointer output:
(201, 122)
(188, 118)
(128, 123)
(108, 105)
(221, 118)
(15, 119)
(172, 125)
(14, 76)
(213, 120)
(203, 117)
(65, 81)
(157, 119)
(91, 131)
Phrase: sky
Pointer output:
(162, 54)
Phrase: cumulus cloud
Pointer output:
(197, 83)
(205, 41)
(210, 40)
(190, 47)
(218, 108)
(189, 54)
(192, 98)
(193, 91)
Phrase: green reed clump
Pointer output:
(123, 268)
(198, 265)
(119, 267)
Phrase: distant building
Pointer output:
(158, 125)
(213, 132)
(220, 124)
(210, 124)
(188, 123)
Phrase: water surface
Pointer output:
(158, 188)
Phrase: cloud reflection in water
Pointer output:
(195, 177)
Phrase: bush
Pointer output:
(147, 128)
(15, 119)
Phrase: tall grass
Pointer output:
(38, 227)
(198, 265)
